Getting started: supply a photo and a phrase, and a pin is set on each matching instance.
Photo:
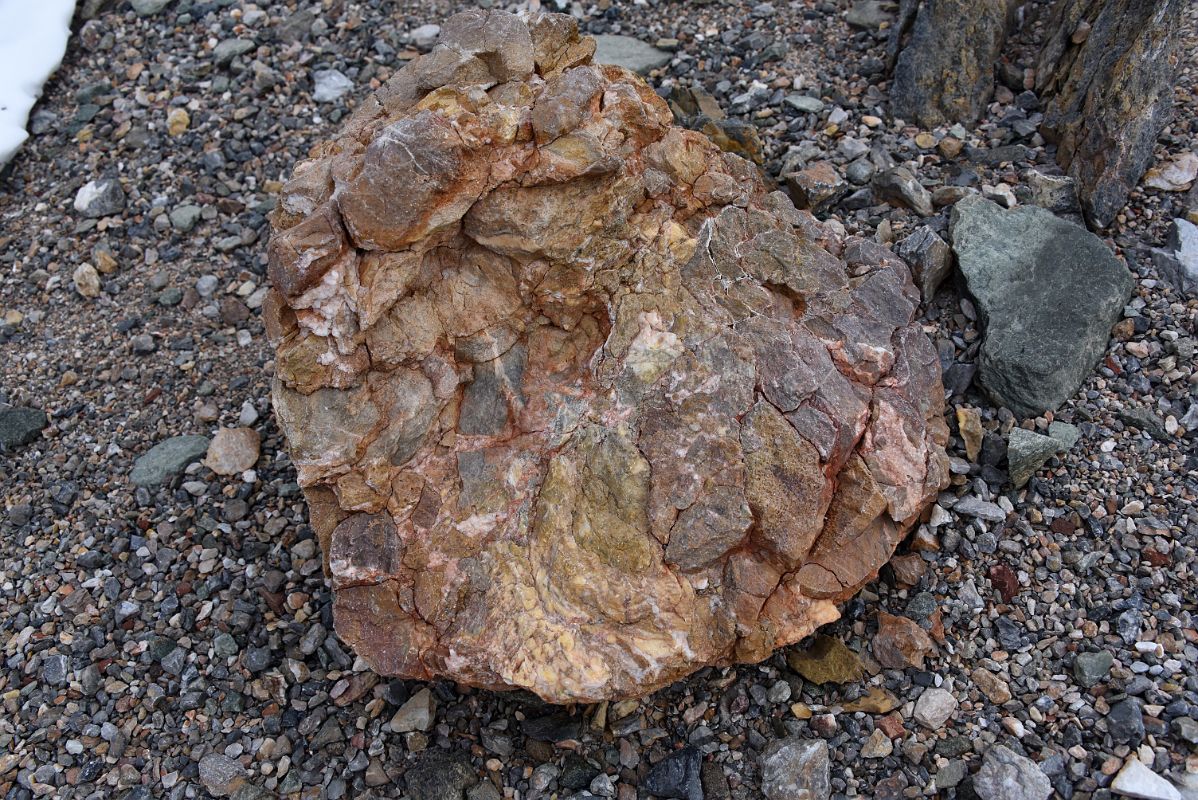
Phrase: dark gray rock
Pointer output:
(229, 49)
(1109, 96)
(1026, 452)
(221, 775)
(899, 187)
(1057, 193)
(868, 15)
(930, 259)
(167, 459)
(148, 8)
(184, 217)
(1048, 292)
(557, 726)
(1006, 775)
(804, 103)
(20, 426)
(678, 775)
(1090, 668)
(945, 71)
(55, 669)
(1125, 721)
(440, 775)
(629, 53)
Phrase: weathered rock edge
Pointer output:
(577, 405)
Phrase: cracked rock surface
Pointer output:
(577, 405)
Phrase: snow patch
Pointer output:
(33, 40)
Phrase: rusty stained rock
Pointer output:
(577, 405)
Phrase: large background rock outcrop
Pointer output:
(577, 405)
(943, 54)
(1107, 70)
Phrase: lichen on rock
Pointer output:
(577, 404)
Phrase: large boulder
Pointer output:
(1049, 292)
(577, 404)
(1107, 70)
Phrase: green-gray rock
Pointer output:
(20, 426)
(1026, 452)
(148, 8)
(630, 53)
(167, 459)
(1064, 433)
(184, 218)
(1048, 292)
(1090, 668)
(229, 49)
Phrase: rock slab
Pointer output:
(585, 408)
(1048, 292)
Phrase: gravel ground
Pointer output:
(176, 641)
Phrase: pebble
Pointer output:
(330, 85)
(1137, 780)
(222, 776)
(20, 426)
(1006, 775)
(1091, 668)
(416, 714)
(934, 707)
(232, 451)
(167, 459)
(677, 776)
(795, 769)
(100, 198)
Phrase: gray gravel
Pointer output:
(172, 638)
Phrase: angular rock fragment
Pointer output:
(1177, 261)
(1027, 451)
(815, 187)
(577, 405)
(930, 259)
(898, 186)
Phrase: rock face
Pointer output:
(1048, 291)
(577, 405)
(1107, 72)
(944, 70)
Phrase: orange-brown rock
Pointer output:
(577, 404)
